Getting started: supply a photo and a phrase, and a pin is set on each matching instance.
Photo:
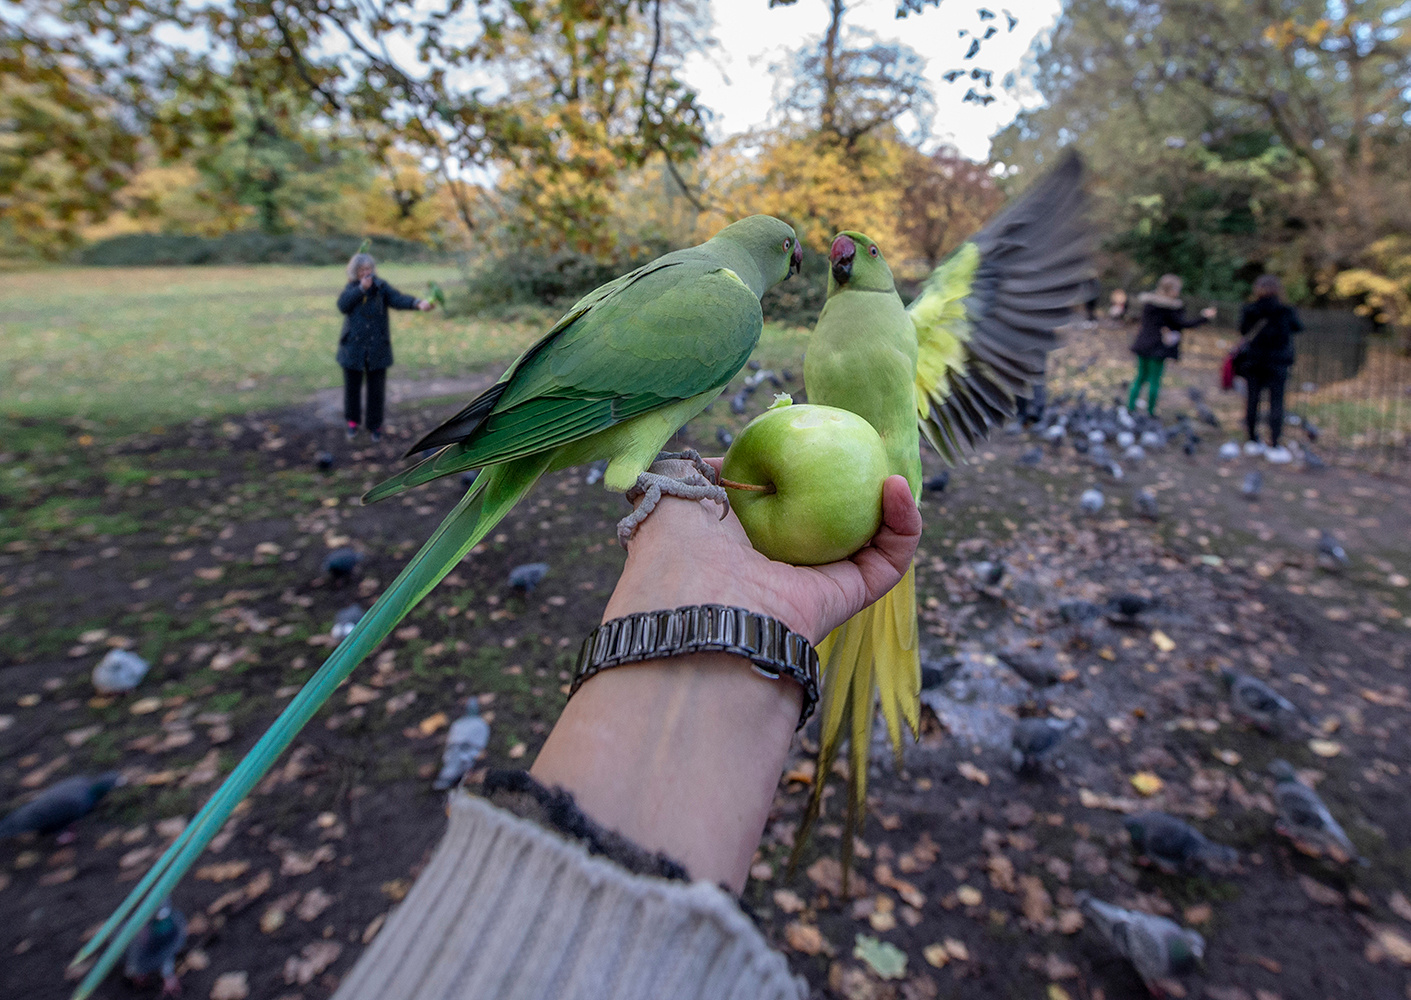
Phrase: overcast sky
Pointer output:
(735, 79)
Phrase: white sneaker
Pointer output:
(1253, 448)
(1279, 455)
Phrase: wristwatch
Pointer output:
(771, 646)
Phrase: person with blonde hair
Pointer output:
(365, 345)
(1159, 337)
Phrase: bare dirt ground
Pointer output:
(200, 548)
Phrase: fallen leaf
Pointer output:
(883, 957)
(1394, 943)
(1228, 757)
(1400, 905)
(969, 896)
(1318, 892)
(1100, 800)
(359, 694)
(231, 986)
(936, 954)
(433, 723)
(1056, 992)
(788, 901)
(957, 950)
(311, 960)
(1146, 783)
(1325, 748)
(223, 871)
(301, 863)
(803, 938)
(517, 751)
(315, 901)
(397, 889)
(1070, 920)
(374, 925)
(145, 706)
(1162, 641)
(971, 772)
(1199, 913)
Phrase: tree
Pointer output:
(945, 198)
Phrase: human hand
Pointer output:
(424, 305)
(1209, 312)
(365, 281)
(683, 554)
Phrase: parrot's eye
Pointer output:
(788, 244)
(872, 251)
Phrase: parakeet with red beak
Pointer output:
(948, 367)
(612, 380)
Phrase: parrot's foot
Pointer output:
(652, 486)
(694, 457)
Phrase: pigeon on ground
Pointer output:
(1092, 500)
(737, 403)
(119, 672)
(933, 675)
(1133, 453)
(938, 482)
(1096, 436)
(1256, 702)
(1032, 456)
(1034, 740)
(1129, 606)
(1125, 439)
(1077, 612)
(525, 578)
(344, 621)
(59, 806)
(1081, 446)
(1252, 485)
(989, 572)
(154, 950)
(1330, 549)
(1230, 449)
(340, 564)
(1305, 820)
(1157, 947)
(1312, 462)
(1152, 439)
(1039, 670)
(465, 744)
(725, 438)
(1173, 845)
(595, 472)
(1311, 429)
(324, 461)
(1207, 415)
(1146, 504)
(1114, 470)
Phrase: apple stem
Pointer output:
(731, 485)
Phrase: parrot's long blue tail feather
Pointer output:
(497, 489)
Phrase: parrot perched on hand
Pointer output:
(613, 380)
(948, 367)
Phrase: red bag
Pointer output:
(1227, 372)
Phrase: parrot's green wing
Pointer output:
(985, 320)
(633, 347)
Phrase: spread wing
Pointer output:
(985, 320)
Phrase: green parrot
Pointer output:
(434, 293)
(948, 367)
(614, 379)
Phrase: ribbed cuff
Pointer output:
(511, 911)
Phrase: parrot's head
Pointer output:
(855, 262)
(771, 243)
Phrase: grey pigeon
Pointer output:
(1033, 456)
(933, 675)
(525, 578)
(153, 951)
(1114, 470)
(725, 438)
(1173, 845)
(737, 403)
(1207, 416)
(1077, 612)
(1157, 947)
(1305, 820)
(1253, 483)
(1256, 702)
(59, 806)
(340, 564)
(1312, 462)
(1329, 548)
(938, 482)
(465, 745)
(989, 572)
(1230, 449)
(595, 473)
(1039, 670)
(1133, 453)
(344, 621)
(1146, 504)
(1092, 500)
(1311, 429)
(1034, 740)
(119, 672)
(1151, 439)
(1125, 439)
(324, 461)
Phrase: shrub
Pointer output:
(245, 247)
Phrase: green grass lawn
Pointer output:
(130, 347)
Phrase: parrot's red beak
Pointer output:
(796, 262)
(841, 258)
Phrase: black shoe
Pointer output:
(376, 437)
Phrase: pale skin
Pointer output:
(365, 276)
(683, 755)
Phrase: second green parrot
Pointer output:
(948, 367)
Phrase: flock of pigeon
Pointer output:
(1106, 436)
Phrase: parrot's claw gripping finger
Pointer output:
(651, 486)
(694, 457)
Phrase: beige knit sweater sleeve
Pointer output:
(507, 909)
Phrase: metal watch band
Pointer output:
(773, 649)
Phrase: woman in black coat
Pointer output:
(365, 345)
(1269, 325)
(1159, 338)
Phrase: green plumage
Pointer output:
(614, 379)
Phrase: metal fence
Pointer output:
(1350, 387)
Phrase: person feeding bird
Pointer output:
(613, 380)
(948, 367)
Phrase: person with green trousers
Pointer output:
(1159, 337)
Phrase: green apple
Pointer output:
(816, 473)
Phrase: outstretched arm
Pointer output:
(683, 755)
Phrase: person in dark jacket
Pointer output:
(1269, 326)
(1159, 337)
(365, 345)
